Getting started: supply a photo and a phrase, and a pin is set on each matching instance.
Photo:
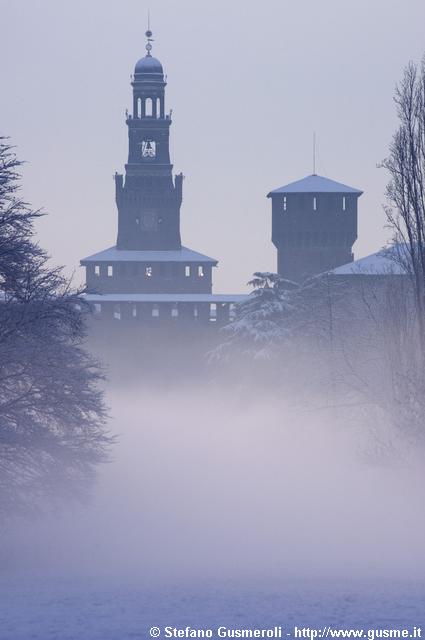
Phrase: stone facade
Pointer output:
(314, 226)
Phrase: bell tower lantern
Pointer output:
(148, 85)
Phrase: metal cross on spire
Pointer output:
(149, 35)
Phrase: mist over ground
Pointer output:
(210, 483)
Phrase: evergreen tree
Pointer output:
(261, 322)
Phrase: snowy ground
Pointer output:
(46, 610)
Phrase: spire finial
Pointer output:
(149, 34)
(314, 153)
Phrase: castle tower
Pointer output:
(314, 226)
(148, 275)
(149, 200)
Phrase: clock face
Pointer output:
(148, 149)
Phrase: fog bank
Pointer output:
(208, 485)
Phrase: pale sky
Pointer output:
(248, 83)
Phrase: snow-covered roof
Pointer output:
(165, 297)
(176, 255)
(315, 184)
(382, 263)
(148, 64)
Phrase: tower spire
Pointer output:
(149, 34)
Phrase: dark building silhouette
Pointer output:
(149, 275)
(148, 278)
(314, 226)
(149, 200)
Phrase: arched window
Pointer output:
(148, 107)
(158, 107)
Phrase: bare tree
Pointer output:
(52, 416)
(406, 190)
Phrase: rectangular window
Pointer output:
(284, 203)
(314, 204)
(343, 203)
(97, 269)
(117, 312)
(174, 312)
(232, 311)
(134, 311)
(155, 311)
(97, 308)
(110, 271)
(187, 271)
(148, 272)
(195, 311)
(201, 271)
(213, 311)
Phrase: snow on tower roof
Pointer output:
(386, 262)
(125, 255)
(166, 297)
(148, 65)
(315, 184)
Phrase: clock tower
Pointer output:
(148, 278)
(149, 199)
